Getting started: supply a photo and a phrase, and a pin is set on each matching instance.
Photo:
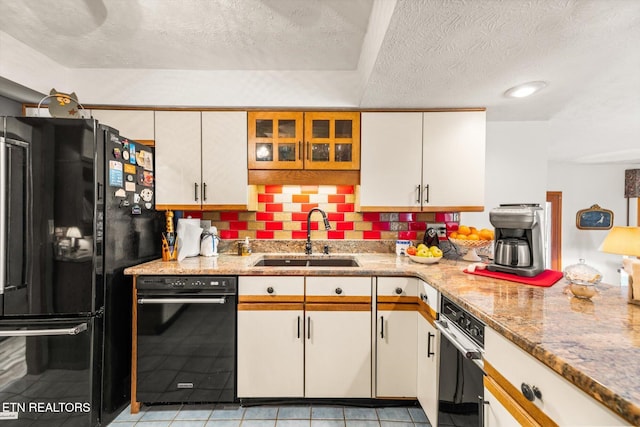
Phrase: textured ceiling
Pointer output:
(346, 53)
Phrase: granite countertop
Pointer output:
(595, 344)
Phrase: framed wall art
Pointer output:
(594, 218)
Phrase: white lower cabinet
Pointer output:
(270, 353)
(560, 401)
(338, 354)
(290, 347)
(396, 353)
(428, 349)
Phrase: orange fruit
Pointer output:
(453, 235)
(473, 236)
(464, 230)
(473, 230)
(486, 234)
(461, 237)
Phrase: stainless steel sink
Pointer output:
(306, 262)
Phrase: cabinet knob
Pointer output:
(398, 291)
(338, 291)
(270, 290)
(530, 393)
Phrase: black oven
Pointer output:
(461, 392)
(186, 339)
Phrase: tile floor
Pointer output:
(272, 416)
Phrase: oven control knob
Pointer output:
(474, 332)
(270, 290)
(398, 291)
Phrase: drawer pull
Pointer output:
(269, 290)
(338, 291)
(530, 393)
(398, 291)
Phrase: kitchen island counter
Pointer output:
(594, 344)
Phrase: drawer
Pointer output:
(270, 288)
(429, 295)
(351, 289)
(397, 287)
(561, 401)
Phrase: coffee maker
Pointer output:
(518, 245)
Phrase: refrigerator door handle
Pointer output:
(44, 332)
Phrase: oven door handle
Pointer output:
(222, 300)
(469, 353)
(44, 332)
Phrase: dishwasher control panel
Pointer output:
(163, 283)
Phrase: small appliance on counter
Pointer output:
(518, 239)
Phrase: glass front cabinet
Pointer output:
(297, 140)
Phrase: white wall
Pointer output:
(582, 186)
(516, 167)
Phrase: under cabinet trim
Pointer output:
(277, 306)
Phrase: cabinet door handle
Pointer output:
(308, 327)
(204, 191)
(338, 291)
(299, 150)
(195, 191)
(308, 149)
(269, 290)
(429, 352)
(419, 190)
(426, 193)
(298, 327)
(382, 327)
(481, 403)
(398, 291)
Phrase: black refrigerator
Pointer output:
(76, 208)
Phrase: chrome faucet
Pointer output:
(327, 226)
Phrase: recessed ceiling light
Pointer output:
(525, 89)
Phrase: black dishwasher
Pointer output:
(186, 339)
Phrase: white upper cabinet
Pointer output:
(427, 161)
(391, 160)
(224, 159)
(132, 124)
(453, 161)
(178, 159)
(201, 160)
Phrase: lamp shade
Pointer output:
(622, 241)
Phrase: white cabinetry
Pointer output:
(428, 351)
(391, 160)
(338, 353)
(453, 161)
(270, 352)
(338, 337)
(317, 348)
(396, 329)
(270, 337)
(423, 161)
(133, 124)
(396, 353)
(511, 367)
(199, 157)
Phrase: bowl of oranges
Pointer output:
(424, 254)
(470, 239)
